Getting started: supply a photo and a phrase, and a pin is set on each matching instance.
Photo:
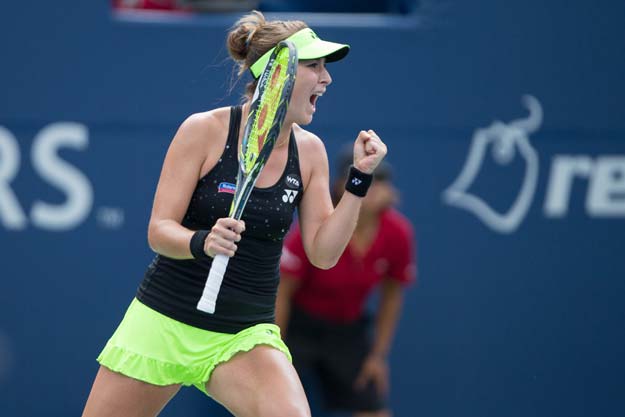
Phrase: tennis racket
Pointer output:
(267, 111)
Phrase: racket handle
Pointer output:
(213, 283)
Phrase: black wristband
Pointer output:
(358, 182)
(197, 244)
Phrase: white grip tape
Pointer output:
(213, 283)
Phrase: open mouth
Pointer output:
(314, 98)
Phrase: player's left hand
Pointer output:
(369, 150)
(374, 369)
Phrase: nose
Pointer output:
(325, 77)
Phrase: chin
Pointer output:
(304, 119)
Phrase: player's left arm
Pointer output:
(327, 230)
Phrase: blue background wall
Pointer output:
(516, 321)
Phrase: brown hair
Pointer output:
(252, 36)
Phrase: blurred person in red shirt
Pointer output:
(323, 313)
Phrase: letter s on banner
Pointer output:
(62, 175)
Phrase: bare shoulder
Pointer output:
(307, 141)
(205, 124)
(202, 136)
(309, 145)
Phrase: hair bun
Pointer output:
(242, 33)
(252, 36)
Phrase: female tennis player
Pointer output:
(236, 355)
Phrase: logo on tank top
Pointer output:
(292, 181)
(289, 196)
(226, 187)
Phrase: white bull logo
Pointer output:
(506, 140)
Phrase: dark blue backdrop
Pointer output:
(520, 304)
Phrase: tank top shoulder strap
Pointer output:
(293, 159)
(293, 147)
(233, 130)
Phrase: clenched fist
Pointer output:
(369, 150)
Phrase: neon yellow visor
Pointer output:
(309, 46)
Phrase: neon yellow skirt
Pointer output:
(154, 348)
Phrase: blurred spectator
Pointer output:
(322, 314)
(146, 4)
(220, 5)
(311, 6)
(188, 5)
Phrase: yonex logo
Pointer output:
(289, 196)
(356, 181)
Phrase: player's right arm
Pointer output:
(195, 149)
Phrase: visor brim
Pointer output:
(331, 51)
(309, 46)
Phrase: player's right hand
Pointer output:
(222, 237)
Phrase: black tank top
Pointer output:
(248, 291)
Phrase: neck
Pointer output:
(284, 135)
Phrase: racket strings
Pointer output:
(266, 111)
